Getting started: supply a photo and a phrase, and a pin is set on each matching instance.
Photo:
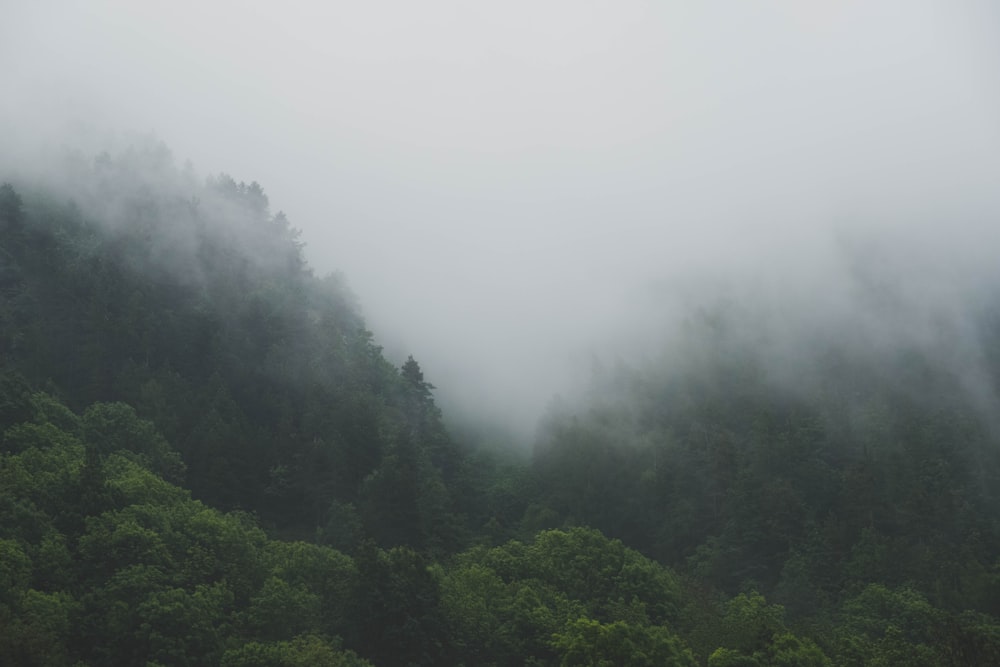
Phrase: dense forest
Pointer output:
(208, 460)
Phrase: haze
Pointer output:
(513, 189)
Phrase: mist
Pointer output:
(514, 191)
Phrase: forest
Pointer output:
(207, 459)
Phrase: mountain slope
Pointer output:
(193, 304)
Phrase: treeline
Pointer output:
(193, 304)
(106, 563)
(207, 460)
(864, 473)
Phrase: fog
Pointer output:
(516, 189)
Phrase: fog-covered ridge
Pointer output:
(507, 187)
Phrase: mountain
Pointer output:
(192, 303)
(206, 459)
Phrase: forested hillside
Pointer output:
(193, 304)
(208, 460)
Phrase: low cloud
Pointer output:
(517, 189)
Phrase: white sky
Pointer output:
(503, 182)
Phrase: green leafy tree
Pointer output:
(303, 651)
(115, 427)
(397, 609)
(619, 644)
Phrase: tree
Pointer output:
(415, 377)
(115, 427)
(11, 211)
(586, 642)
(303, 651)
(397, 609)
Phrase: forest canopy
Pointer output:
(208, 459)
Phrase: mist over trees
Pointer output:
(680, 340)
(208, 459)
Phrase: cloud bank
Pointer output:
(515, 188)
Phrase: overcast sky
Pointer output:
(505, 184)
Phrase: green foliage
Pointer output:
(115, 427)
(397, 608)
(184, 323)
(749, 622)
(584, 565)
(727, 657)
(343, 530)
(509, 602)
(864, 471)
(477, 605)
(137, 485)
(15, 571)
(303, 651)
(184, 628)
(15, 400)
(883, 626)
(206, 394)
(619, 644)
(787, 650)
(146, 575)
(280, 610)
(48, 410)
(753, 633)
(329, 575)
(36, 631)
